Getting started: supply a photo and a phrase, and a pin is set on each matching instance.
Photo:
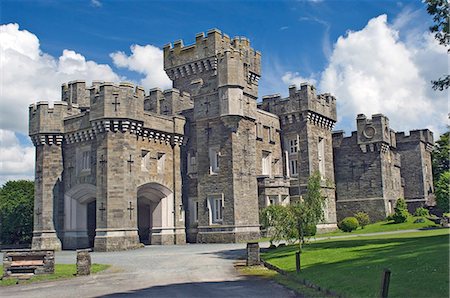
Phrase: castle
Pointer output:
(116, 166)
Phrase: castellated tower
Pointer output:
(108, 168)
(221, 75)
(306, 121)
(367, 169)
(415, 151)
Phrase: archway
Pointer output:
(80, 216)
(155, 214)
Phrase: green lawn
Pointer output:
(61, 271)
(386, 226)
(419, 262)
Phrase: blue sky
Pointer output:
(374, 56)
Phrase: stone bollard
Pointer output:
(253, 254)
(83, 262)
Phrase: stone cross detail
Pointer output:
(115, 103)
(131, 208)
(365, 166)
(130, 162)
(102, 161)
(102, 209)
(38, 212)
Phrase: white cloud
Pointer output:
(29, 75)
(96, 3)
(294, 78)
(146, 60)
(372, 71)
(16, 161)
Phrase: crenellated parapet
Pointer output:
(181, 61)
(375, 131)
(417, 136)
(109, 100)
(303, 104)
(167, 102)
(46, 124)
(75, 93)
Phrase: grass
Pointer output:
(419, 262)
(263, 272)
(386, 226)
(61, 271)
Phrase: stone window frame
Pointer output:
(293, 146)
(293, 170)
(83, 160)
(192, 162)
(321, 156)
(145, 160)
(215, 208)
(214, 160)
(266, 163)
(272, 200)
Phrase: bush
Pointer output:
(401, 213)
(421, 212)
(420, 220)
(348, 224)
(363, 219)
(310, 230)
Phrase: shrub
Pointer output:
(348, 224)
(420, 220)
(421, 212)
(363, 219)
(401, 213)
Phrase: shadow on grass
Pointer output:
(353, 267)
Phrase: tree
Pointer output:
(440, 10)
(16, 212)
(442, 191)
(441, 171)
(440, 156)
(297, 221)
(401, 211)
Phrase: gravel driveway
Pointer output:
(193, 270)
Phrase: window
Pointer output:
(161, 159)
(86, 163)
(259, 131)
(213, 160)
(266, 163)
(196, 208)
(272, 200)
(216, 209)
(321, 150)
(293, 167)
(192, 162)
(293, 146)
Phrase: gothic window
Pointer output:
(214, 160)
(216, 209)
(293, 167)
(161, 157)
(321, 151)
(259, 131)
(293, 146)
(84, 160)
(266, 163)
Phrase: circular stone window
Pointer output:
(369, 132)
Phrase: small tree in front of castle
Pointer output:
(401, 213)
(297, 221)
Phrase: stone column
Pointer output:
(48, 173)
(83, 262)
(179, 218)
(253, 254)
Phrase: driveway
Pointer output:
(192, 270)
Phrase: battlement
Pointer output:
(44, 118)
(419, 135)
(75, 92)
(205, 47)
(167, 102)
(300, 100)
(204, 55)
(375, 130)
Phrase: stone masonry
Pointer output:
(116, 166)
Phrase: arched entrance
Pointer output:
(80, 216)
(155, 214)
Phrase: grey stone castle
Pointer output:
(116, 166)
